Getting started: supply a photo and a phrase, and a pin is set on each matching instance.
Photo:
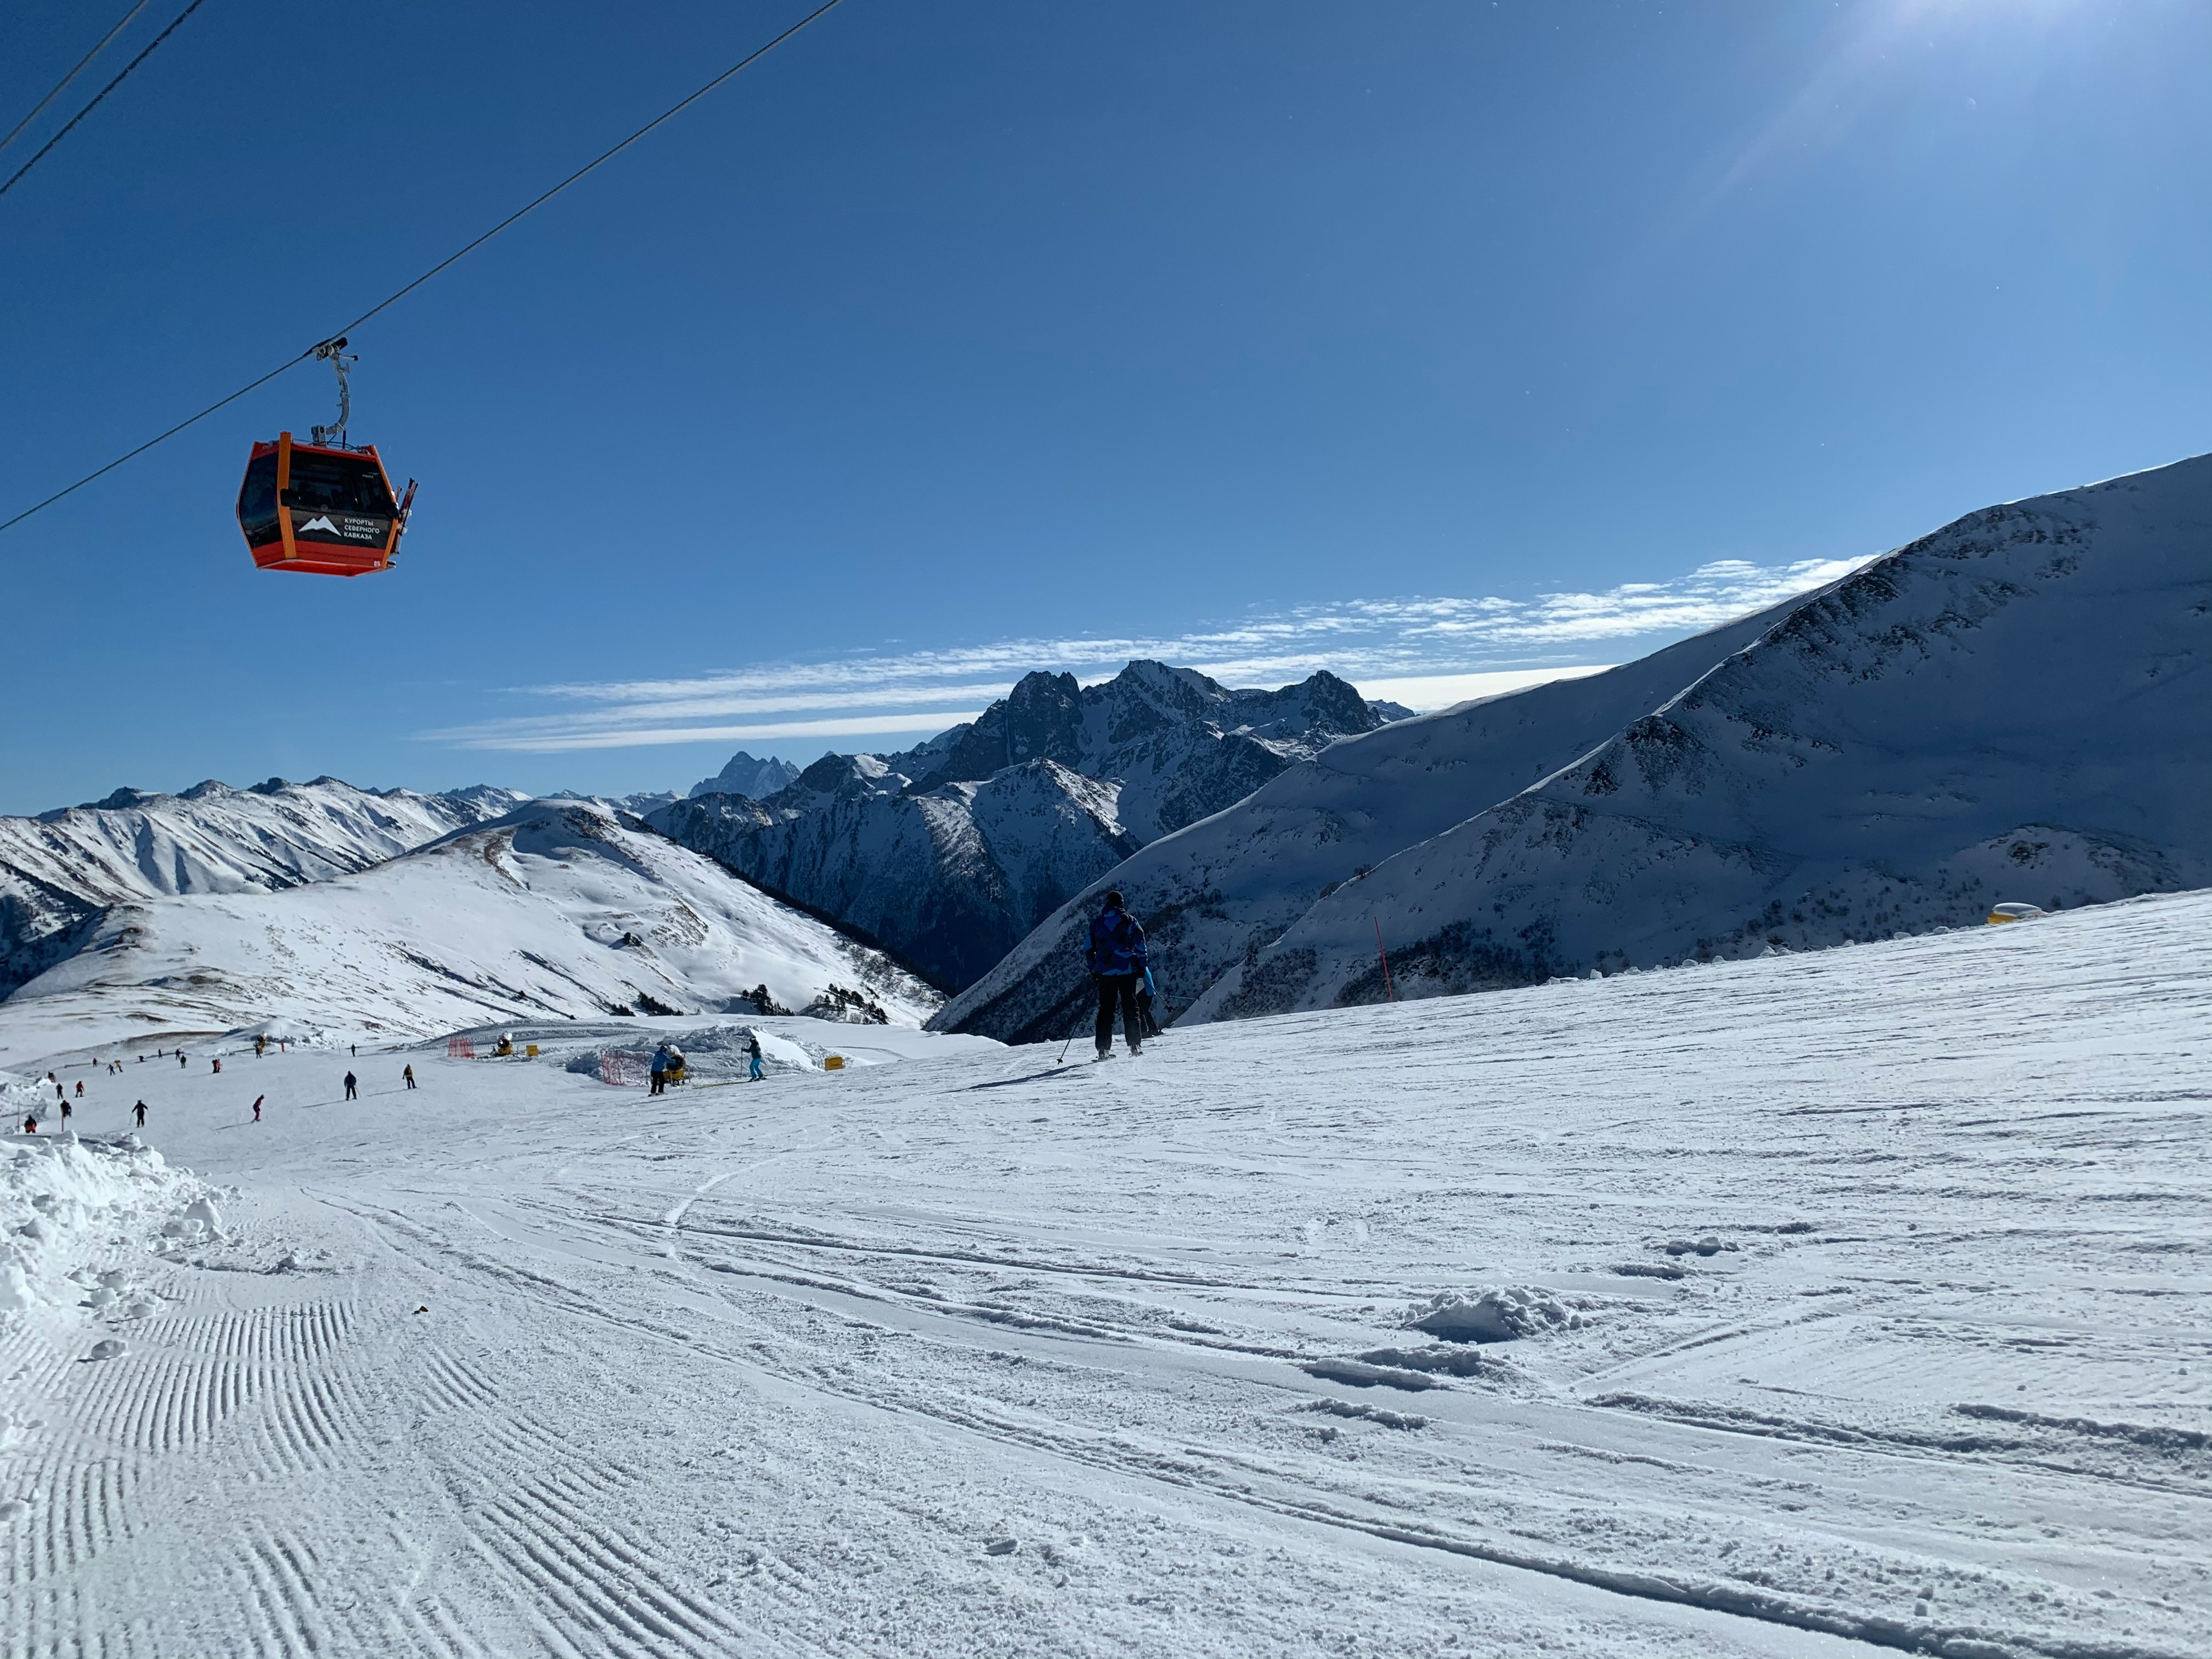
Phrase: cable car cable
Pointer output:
(97, 96)
(605, 157)
(15, 132)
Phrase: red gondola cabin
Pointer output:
(327, 512)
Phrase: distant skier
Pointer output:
(353, 1085)
(660, 1070)
(80, 1088)
(180, 1056)
(1116, 957)
(30, 1123)
(354, 1049)
(409, 1075)
(139, 1112)
(66, 1110)
(218, 1067)
(257, 1099)
(753, 1058)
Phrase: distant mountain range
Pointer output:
(559, 907)
(59, 871)
(949, 853)
(2017, 707)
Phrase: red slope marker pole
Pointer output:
(1388, 995)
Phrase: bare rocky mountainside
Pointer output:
(2016, 707)
(948, 853)
(746, 775)
(59, 871)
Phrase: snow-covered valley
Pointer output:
(1853, 1302)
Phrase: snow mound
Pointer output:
(714, 1054)
(80, 1219)
(1503, 1313)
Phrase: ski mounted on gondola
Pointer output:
(326, 507)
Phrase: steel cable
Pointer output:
(97, 96)
(398, 294)
(17, 131)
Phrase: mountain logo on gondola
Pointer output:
(317, 523)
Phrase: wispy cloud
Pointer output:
(1403, 639)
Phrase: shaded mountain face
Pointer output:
(949, 878)
(948, 853)
(744, 775)
(61, 869)
(559, 908)
(2014, 707)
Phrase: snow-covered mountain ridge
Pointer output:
(59, 870)
(2014, 707)
(950, 853)
(559, 909)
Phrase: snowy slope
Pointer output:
(2018, 706)
(556, 909)
(57, 869)
(1221, 887)
(951, 852)
(1856, 1304)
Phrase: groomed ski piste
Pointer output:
(1824, 1304)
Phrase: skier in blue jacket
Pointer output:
(1117, 959)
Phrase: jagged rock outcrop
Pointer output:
(744, 775)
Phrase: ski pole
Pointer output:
(1072, 1035)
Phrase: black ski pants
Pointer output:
(1117, 989)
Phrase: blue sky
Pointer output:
(1417, 340)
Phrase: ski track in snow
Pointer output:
(1867, 1296)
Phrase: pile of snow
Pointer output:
(81, 1221)
(1501, 1314)
(711, 1054)
(61, 868)
(557, 910)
